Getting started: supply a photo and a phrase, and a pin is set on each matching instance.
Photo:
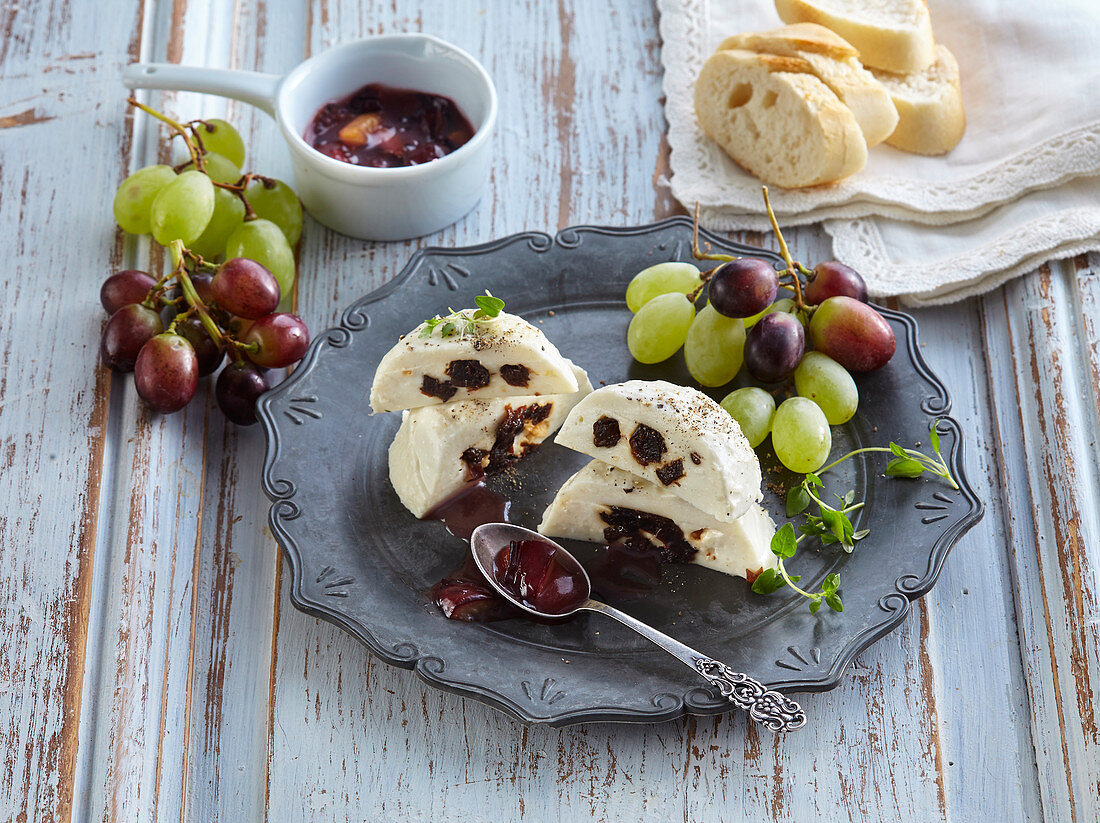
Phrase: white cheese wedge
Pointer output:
(741, 548)
(671, 435)
(426, 456)
(487, 362)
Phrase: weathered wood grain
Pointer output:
(1041, 342)
(56, 63)
(151, 665)
(167, 665)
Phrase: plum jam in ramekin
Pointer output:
(386, 127)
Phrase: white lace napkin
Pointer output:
(1033, 123)
(933, 265)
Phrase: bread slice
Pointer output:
(774, 117)
(893, 35)
(930, 109)
(836, 63)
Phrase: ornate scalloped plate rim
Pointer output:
(896, 604)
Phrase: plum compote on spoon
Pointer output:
(541, 576)
(546, 581)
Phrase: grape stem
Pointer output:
(194, 125)
(188, 288)
(704, 278)
(239, 187)
(183, 315)
(200, 261)
(793, 268)
(196, 157)
(150, 301)
(695, 251)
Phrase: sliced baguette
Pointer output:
(893, 35)
(836, 63)
(775, 118)
(929, 103)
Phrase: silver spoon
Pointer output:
(767, 707)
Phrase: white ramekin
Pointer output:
(370, 203)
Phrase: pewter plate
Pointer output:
(358, 559)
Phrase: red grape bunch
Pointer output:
(172, 331)
(764, 320)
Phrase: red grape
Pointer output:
(245, 288)
(774, 347)
(237, 326)
(853, 334)
(831, 279)
(202, 281)
(743, 287)
(124, 288)
(209, 352)
(167, 373)
(282, 339)
(125, 333)
(238, 388)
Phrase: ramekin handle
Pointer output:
(252, 87)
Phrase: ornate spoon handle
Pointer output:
(768, 708)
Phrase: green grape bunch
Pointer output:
(813, 327)
(206, 202)
(762, 320)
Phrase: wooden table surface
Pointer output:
(151, 665)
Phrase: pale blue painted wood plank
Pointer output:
(56, 160)
(181, 706)
(1042, 345)
(973, 646)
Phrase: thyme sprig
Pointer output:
(909, 462)
(465, 321)
(784, 546)
(831, 525)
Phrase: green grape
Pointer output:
(228, 214)
(828, 384)
(659, 328)
(753, 409)
(782, 304)
(801, 435)
(715, 347)
(277, 203)
(134, 198)
(262, 241)
(663, 278)
(220, 137)
(183, 208)
(220, 169)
